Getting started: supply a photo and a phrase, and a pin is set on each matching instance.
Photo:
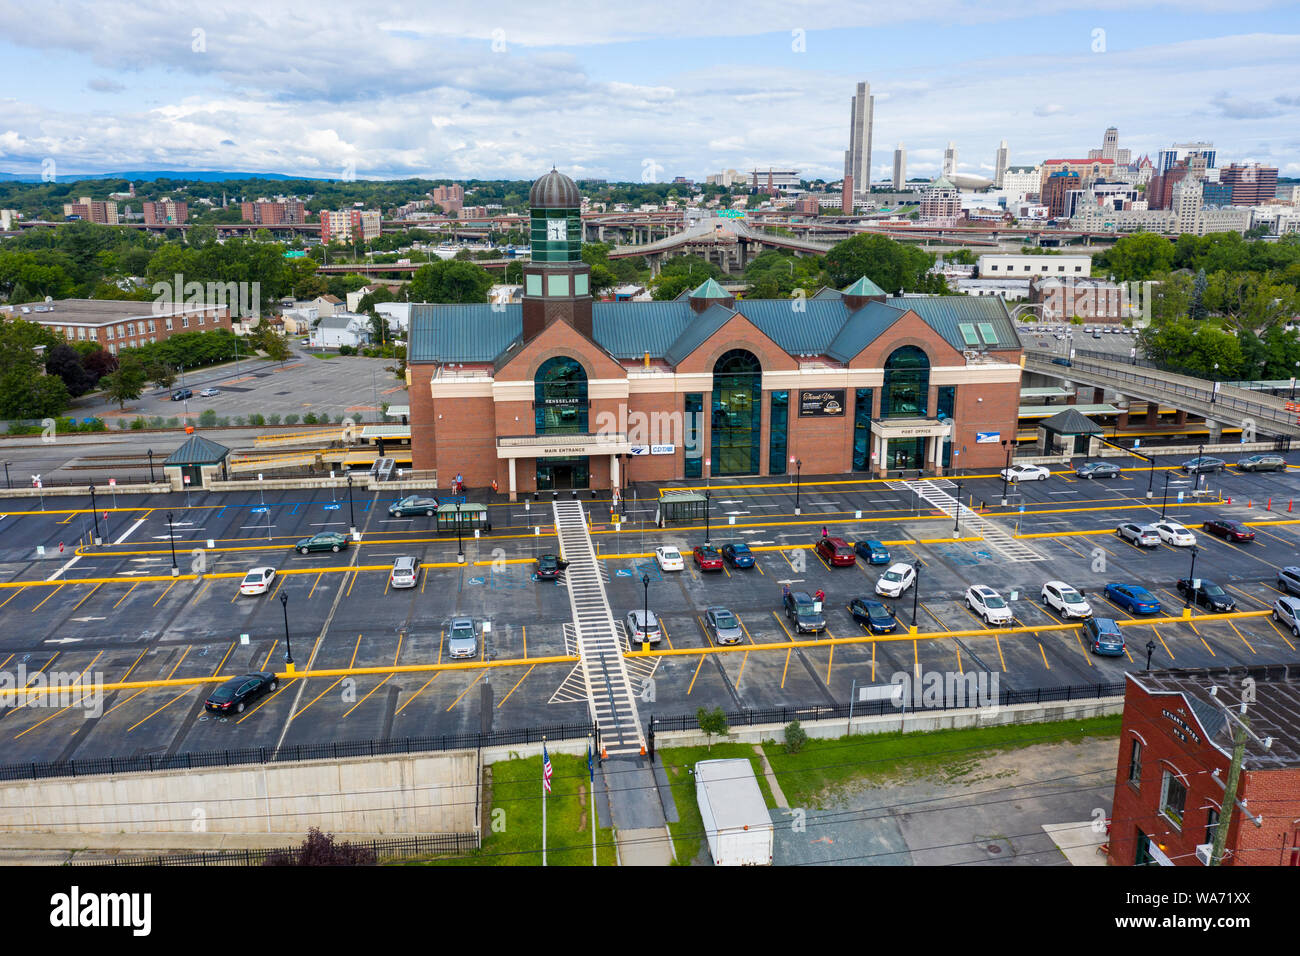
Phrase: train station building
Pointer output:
(560, 391)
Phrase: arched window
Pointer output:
(560, 397)
(907, 383)
(737, 413)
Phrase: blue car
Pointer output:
(1133, 598)
(738, 555)
(873, 615)
(873, 552)
(1102, 635)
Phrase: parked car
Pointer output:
(1286, 610)
(707, 557)
(1262, 463)
(643, 627)
(413, 505)
(1025, 473)
(1097, 469)
(1133, 598)
(1228, 530)
(873, 615)
(325, 541)
(256, 581)
(1103, 636)
(1061, 361)
(738, 555)
(897, 579)
(1066, 600)
(1142, 535)
(723, 625)
(405, 573)
(988, 604)
(1196, 466)
(549, 567)
(1172, 533)
(669, 559)
(1288, 580)
(234, 694)
(872, 551)
(837, 551)
(462, 637)
(209, 392)
(1209, 595)
(181, 394)
(803, 613)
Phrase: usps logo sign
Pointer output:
(987, 438)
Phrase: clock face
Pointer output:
(557, 230)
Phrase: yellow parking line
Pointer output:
(1044, 653)
(47, 597)
(1271, 624)
(701, 664)
(337, 681)
(354, 581)
(223, 659)
(178, 663)
(441, 635)
(86, 598)
(317, 581)
(353, 662)
(998, 641)
(831, 661)
(277, 585)
(957, 647)
(873, 661)
(1078, 635)
(163, 595)
(511, 691)
(137, 661)
(745, 629)
(1207, 646)
(262, 703)
(367, 697)
(465, 691)
(524, 629)
(126, 595)
(1242, 636)
(1161, 639)
(160, 709)
(12, 596)
(269, 653)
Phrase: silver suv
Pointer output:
(405, 573)
(643, 628)
(462, 638)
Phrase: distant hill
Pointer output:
(145, 175)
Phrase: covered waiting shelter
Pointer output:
(195, 463)
(682, 506)
(1069, 432)
(467, 516)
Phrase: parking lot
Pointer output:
(117, 612)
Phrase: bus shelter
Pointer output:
(468, 517)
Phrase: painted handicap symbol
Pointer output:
(474, 581)
(331, 507)
(983, 555)
(623, 573)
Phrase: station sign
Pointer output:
(821, 404)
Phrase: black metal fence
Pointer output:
(876, 708)
(434, 844)
(291, 754)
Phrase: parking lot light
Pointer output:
(645, 611)
(798, 474)
(1151, 649)
(460, 547)
(288, 647)
(1007, 445)
(1191, 583)
(706, 516)
(95, 512)
(1164, 501)
(351, 512)
(149, 452)
(956, 513)
(916, 592)
(171, 537)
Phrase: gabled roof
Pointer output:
(693, 336)
(198, 450)
(862, 327)
(1071, 422)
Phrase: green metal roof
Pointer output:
(709, 289)
(862, 327)
(864, 286)
(197, 450)
(1071, 422)
(693, 336)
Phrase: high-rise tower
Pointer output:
(950, 160)
(1000, 163)
(857, 158)
(900, 167)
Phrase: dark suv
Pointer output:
(1209, 595)
(799, 609)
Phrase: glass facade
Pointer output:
(560, 397)
(547, 246)
(693, 435)
(777, 431)
(947, 395)
(907, 384)
(862, 399)
(737, 415)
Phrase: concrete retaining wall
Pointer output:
(415, 793)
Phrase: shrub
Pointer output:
(173, 423)
(223, 422)
(338, 419)
(795, 737)
(319, 849)
(310, 419)
(256, 419)
(273, 419)
(239, 420)
(156, 422)
(208, 418)
(291, 419)
(345, 350)
(137, 424)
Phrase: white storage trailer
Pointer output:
(735, 815)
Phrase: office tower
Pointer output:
(857, 158)
(900, 167)
(1000, 164)
(950, 160)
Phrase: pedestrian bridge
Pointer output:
(1219, 404)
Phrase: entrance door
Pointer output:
(905, 454)
(562, 474)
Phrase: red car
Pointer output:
(707, 557)
(1228, 530)
(837, 551)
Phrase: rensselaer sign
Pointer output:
(821, 403)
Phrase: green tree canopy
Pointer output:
(894, 266)
(449, 280)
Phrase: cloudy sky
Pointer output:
(628, 91)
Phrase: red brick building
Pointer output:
(1176, 746)
(165, 212)
(117, 324)
(288, 212)
(559, 391)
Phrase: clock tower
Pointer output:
(557, 283)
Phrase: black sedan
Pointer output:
(1197, 466)
(325, 541)
(1228, 530)
(231, 696)
(1209, 595)
(549, 567)
(873, 615)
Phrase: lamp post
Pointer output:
(460, 547)
(706, 516)
(1297, 372)
(1151, 649)
(149, 453)
(1005, 471)
(1164, 501)
(1151, 475)
(645, 606)
(95, 512)
(956, 513)
(351, 513)
(288, 647)
(916, 590)
(798, 474)
(1191, 579)
(8, 483)
(171, 538)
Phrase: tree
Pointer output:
(891, 265)
(1139, 256)
(65, 362)
(449, 280)
(713, 723)
(319, 849)
(124, 385)
(795, 737)
(160, 373)
(26, 395)
(1198, 310)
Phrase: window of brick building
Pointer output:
(1135, 763)
(1173, 798)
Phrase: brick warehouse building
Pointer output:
(1175, 751)
(559, 391)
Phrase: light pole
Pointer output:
(706, 515)
(288, 647)
(1164, 501)
(1151, 475)
(645, 606)
(95, 512)
(171, 538)
(1005, 471)
(1191, 579)
(1297, 372)
(149, 453)
(1151, 649)
(956, 513)
(8, 483)
(460, 547)
(351, 513)
(798, 474)
(916, 590)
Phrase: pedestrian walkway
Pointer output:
(996, 538)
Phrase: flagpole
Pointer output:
(591, 776)
(543, 801)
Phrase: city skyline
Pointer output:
(633, 96)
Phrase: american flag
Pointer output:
(547, 769)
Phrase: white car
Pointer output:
(1066, 600)
(1025, 473)
(209, 392)
(1175, 534)
(988, 604)
(256, 581)
(670, 559)
(897, 579)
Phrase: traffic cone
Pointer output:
(1270, 505)
(604, 753)
(1288, 505)
(643, 750)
